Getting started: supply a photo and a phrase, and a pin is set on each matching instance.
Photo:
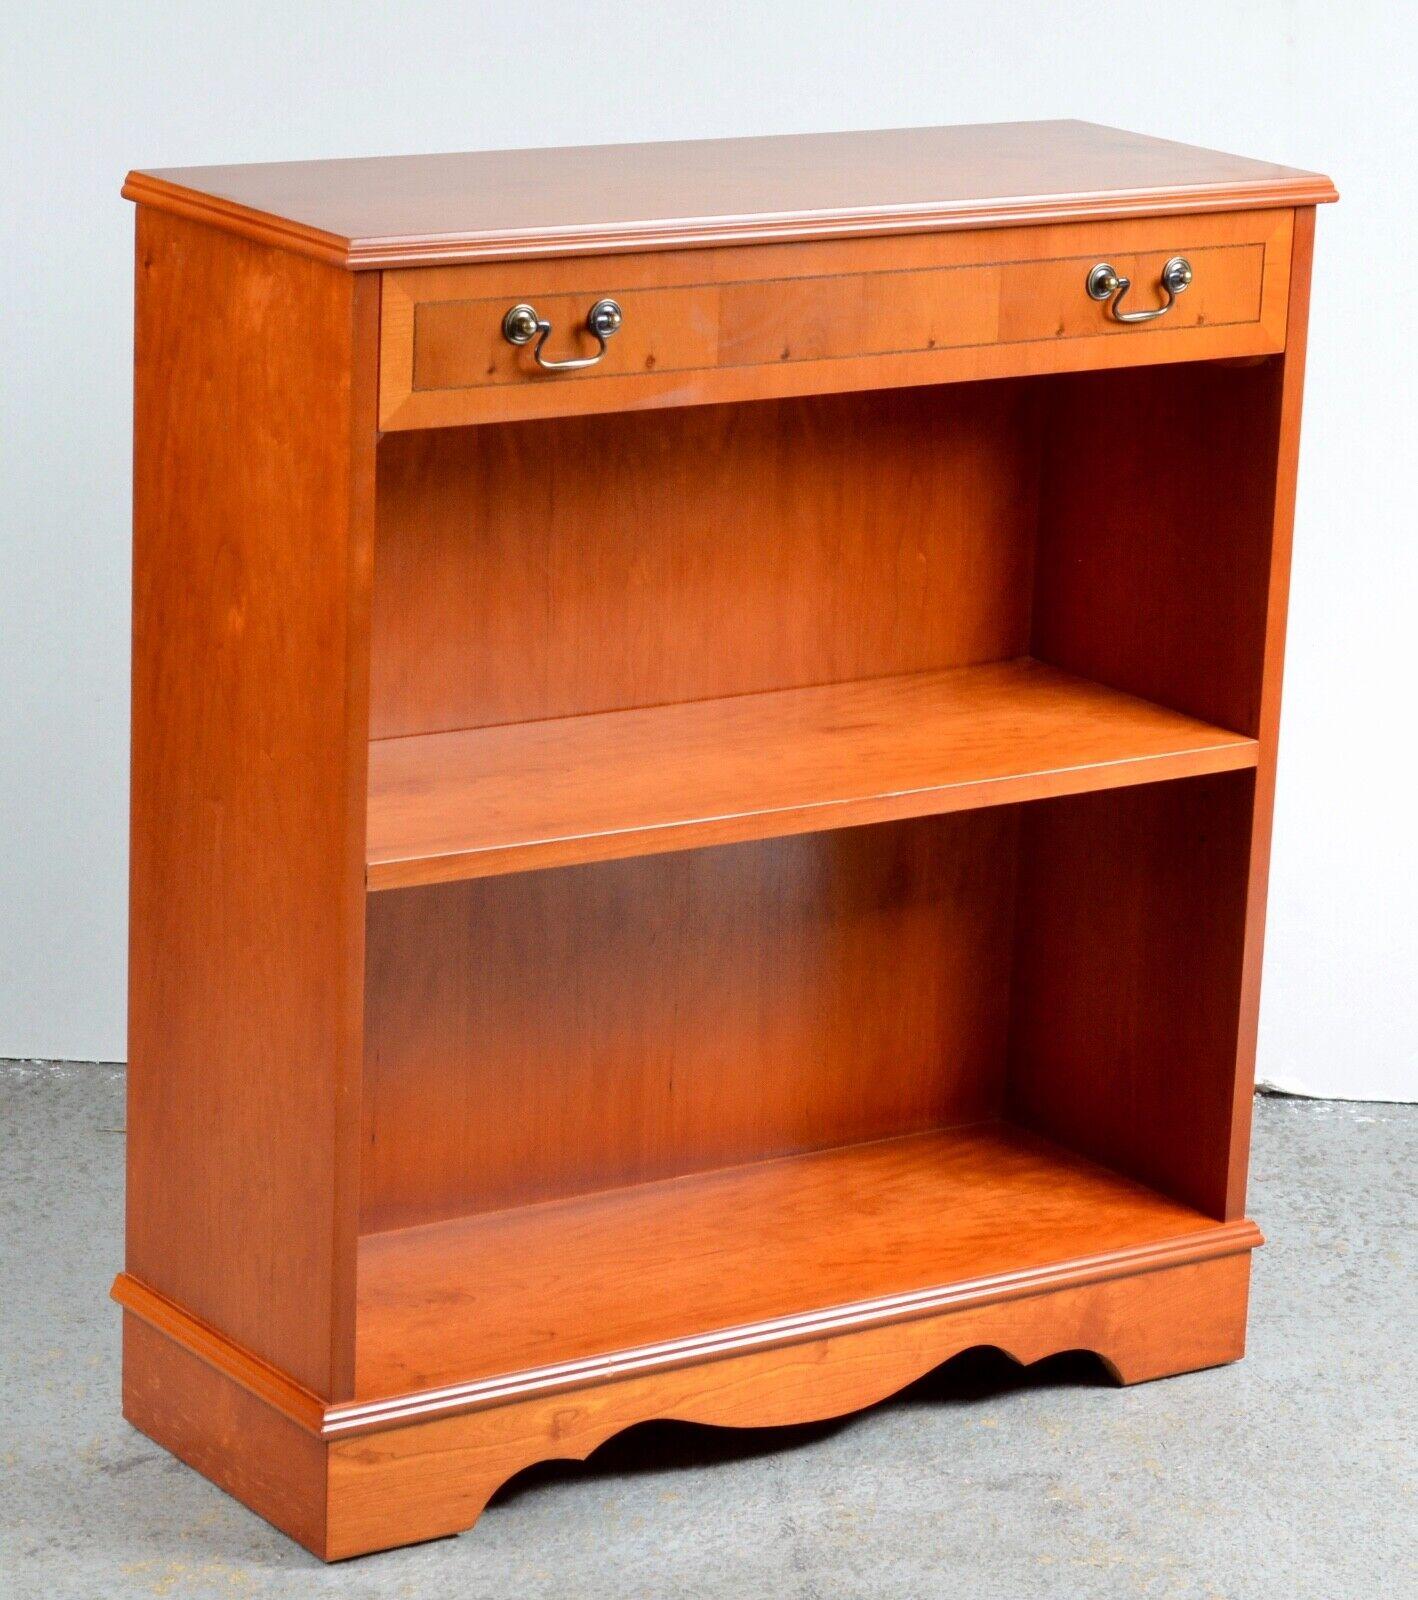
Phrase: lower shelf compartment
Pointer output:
(771, 1252)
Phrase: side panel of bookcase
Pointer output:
(253, 542)
(1163, 570)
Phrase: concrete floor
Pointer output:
(1289, 1475)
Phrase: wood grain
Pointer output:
(636, 1267)
(544, 1034)
(351, 1419)
(474, 803)
(231, 1435)
(754, 324)
(824, 316)
(346, 1496)
(1169, 581)
(431, 1183)
(388, 211)
(1127, 983)
(1155, 534)
(434, 1478)
(1288, 399)
(250, 639)
(592, 564)
(143, 1304)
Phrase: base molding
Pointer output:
(332, 1419)
(227, 1432)
(407, 1482)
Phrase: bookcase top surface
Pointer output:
(392, 211)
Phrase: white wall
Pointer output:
(95, 89)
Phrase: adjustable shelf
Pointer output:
(704, 726)
(474, 802)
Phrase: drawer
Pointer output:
(766, 321)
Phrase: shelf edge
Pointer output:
(1237, 753)
(696, 233)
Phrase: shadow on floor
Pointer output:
(651, 1448)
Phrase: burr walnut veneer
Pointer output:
(704, 728)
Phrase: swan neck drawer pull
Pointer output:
(1105, 284)
(522, 324)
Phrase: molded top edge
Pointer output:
(392, 211)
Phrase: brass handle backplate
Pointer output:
(522, 324)
(1104, 283)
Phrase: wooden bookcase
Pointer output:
(701, 885)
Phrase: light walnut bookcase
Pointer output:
(701, 884)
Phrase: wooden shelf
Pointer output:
(511, 1294)
(477, 802)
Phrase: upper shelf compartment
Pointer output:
(878, 259)
(473, 803)
(504, 342)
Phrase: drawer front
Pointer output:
(699, 326)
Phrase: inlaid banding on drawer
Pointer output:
(458, 344)
(900, 315)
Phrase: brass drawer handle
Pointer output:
(522, 324)
(1105, 284)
